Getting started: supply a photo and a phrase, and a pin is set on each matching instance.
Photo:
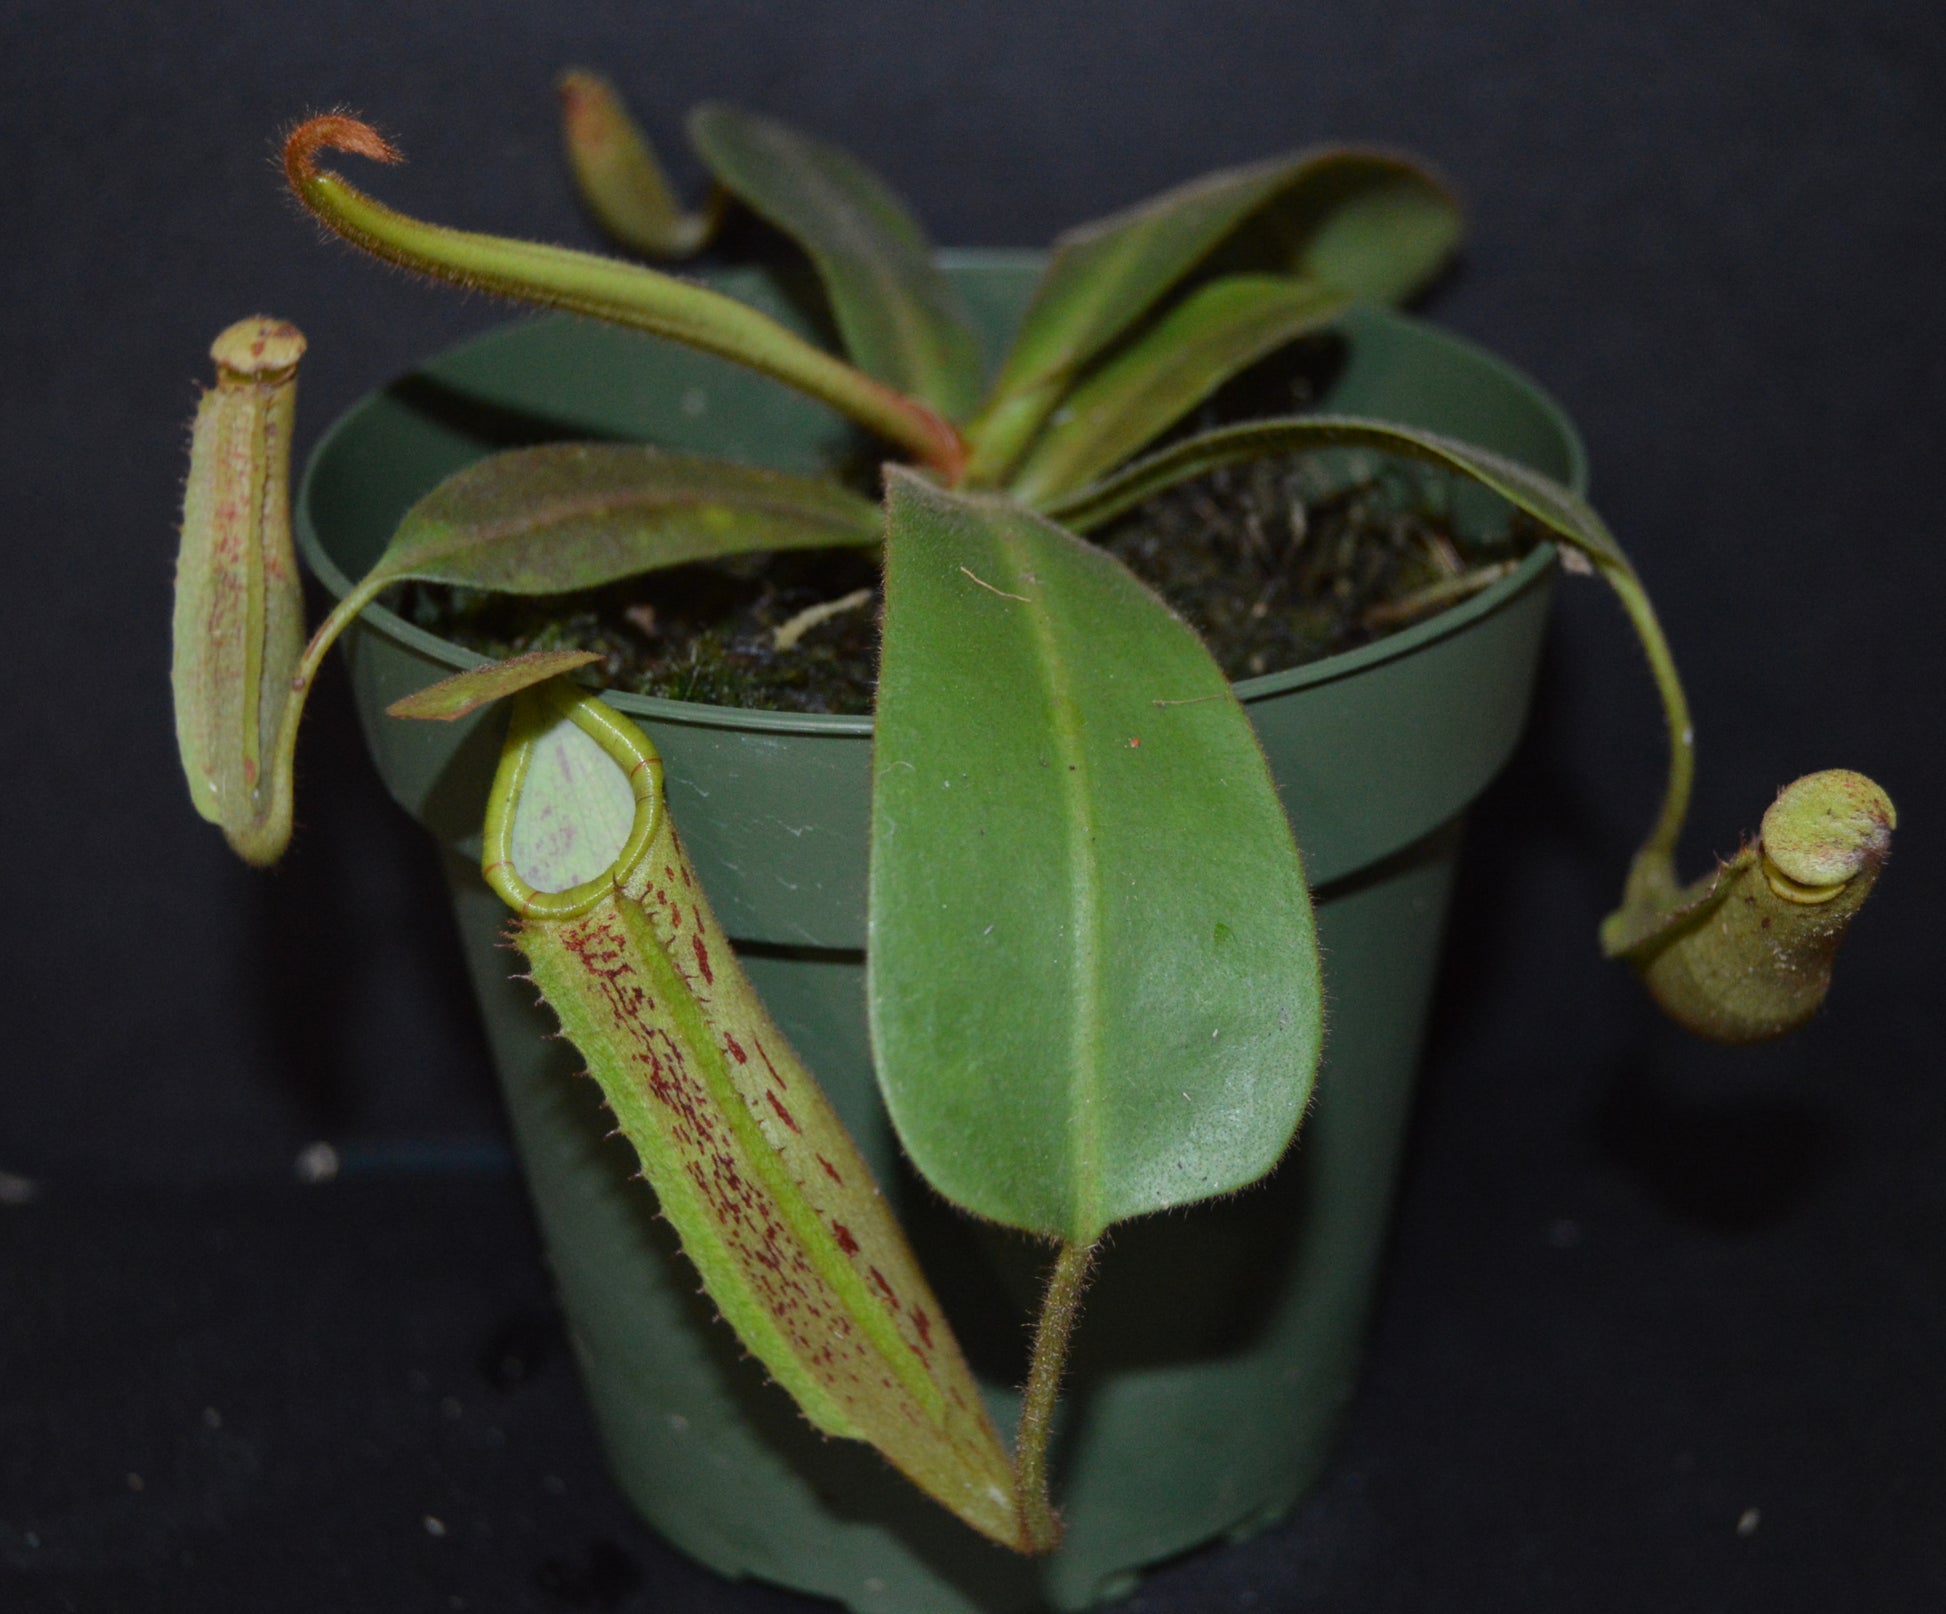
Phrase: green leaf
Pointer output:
(1370, 223)
(619, 178)
(602, 288)
(1560, 510)
(1557, 508)
(466, 692)
(1373, 224)
(569, 516)
(1087, 1002)
(1149, 385)
(752, 1167)
(900, 318)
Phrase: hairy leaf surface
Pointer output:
(569, 516)
(1086, 1002)
(751, 1165)
(899, 316)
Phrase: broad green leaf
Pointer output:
(751, 1166)
(569, 516)
(1372, 224)
(900, 317)
(602, 288)
(619, 178)
(1093, 980)
(466, 692)
(1558, 509)
(1147, 386)
(239, 611)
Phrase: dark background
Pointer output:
(1640, 1287)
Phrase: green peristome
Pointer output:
(620, 180)
(795, 1244)
(1147, 386)
(1825, 829)
(1084, 1004)
(899, 316)
(1371, 224)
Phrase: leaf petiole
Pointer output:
(1040, 1525)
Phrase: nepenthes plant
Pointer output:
(1094, 984)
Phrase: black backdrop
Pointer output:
(1640, 1287)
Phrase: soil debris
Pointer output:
(1276, 564)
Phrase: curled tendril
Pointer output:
(601, 288)
(332, 131)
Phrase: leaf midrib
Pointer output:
(1109, 278)
(1084, 882)
(894, 302)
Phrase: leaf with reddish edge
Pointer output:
(569, 516)
(618, 175)
(466, 692)
(900, 317)
(544, 520)
(751, 1165)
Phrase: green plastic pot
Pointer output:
(1219, 1345)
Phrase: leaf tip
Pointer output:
(587, 106)
(332, 131)
(466, 692)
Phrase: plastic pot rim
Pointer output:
(1454, 619)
